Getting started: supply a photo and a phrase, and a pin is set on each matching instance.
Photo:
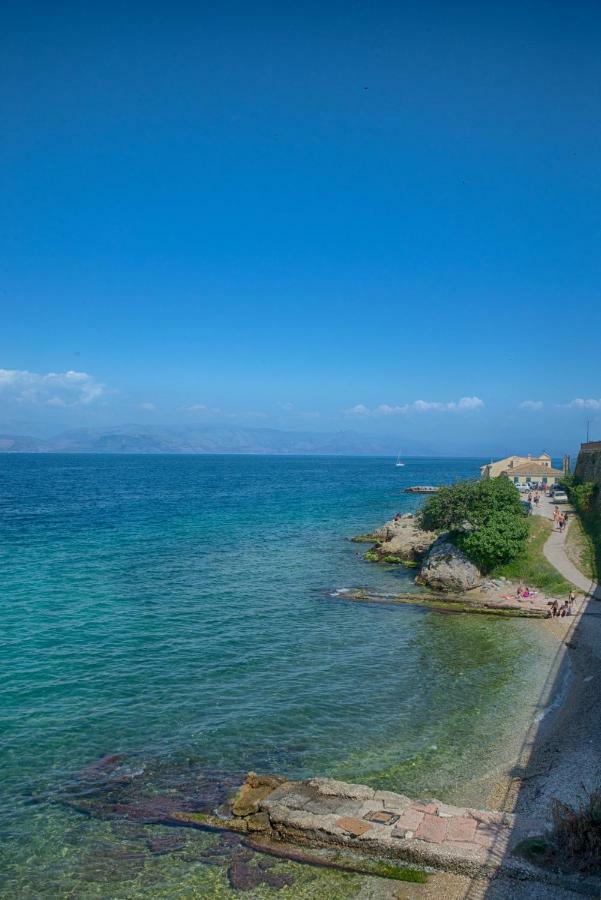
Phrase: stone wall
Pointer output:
(588, 466)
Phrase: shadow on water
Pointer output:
(539, 775)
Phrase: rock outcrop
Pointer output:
(399, 540)
(447, 568)
(253, 791)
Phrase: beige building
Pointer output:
(523, 469)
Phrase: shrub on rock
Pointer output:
(484, 519)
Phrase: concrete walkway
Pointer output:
(555, 552)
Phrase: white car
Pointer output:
(560, 497)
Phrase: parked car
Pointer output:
(560, 497)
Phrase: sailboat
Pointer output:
(398, 461)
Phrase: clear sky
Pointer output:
(314, 215)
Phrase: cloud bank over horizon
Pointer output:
(419, 406)
(33, 402)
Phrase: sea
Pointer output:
(188, 613)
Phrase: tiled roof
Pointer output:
(532, 468)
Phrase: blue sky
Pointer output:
(341, 215)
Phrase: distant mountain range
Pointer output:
(209, 439)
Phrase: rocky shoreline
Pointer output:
(486, 601)
(442, 566)
(449, 580)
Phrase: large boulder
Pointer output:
(401, 539)
(447, 568)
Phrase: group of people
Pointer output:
(534, 498)
(525, 593)
(564, 609)
(557, 609)
(559, 519)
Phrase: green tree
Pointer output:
(485, 518)
(500, 540)
(470, 504)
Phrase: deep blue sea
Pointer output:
(175, 608)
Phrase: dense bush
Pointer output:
(470, 504)
(501, 539)
(577, 832)
(583, 495)
(485, 518)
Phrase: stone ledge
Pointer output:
(324, 812)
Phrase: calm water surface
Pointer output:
(180, 608)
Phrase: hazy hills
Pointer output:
(209, 439)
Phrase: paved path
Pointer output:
(555, 552)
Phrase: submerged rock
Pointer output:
(243, 876)
(147, 791)
(447, 568)
(160, 845)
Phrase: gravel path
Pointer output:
(555, 552)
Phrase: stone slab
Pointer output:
(446, 810)
(356, 827)
(331, 787)
(432, 829)
(461, 828)
(425, 806)
(411, 819)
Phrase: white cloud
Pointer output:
(203, 408)
(418, 406)
(591, 403)
(533, 405)
(148, 407)
(469, 403)
(385, 410)
(52, 388)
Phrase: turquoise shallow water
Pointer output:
(180, 608)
